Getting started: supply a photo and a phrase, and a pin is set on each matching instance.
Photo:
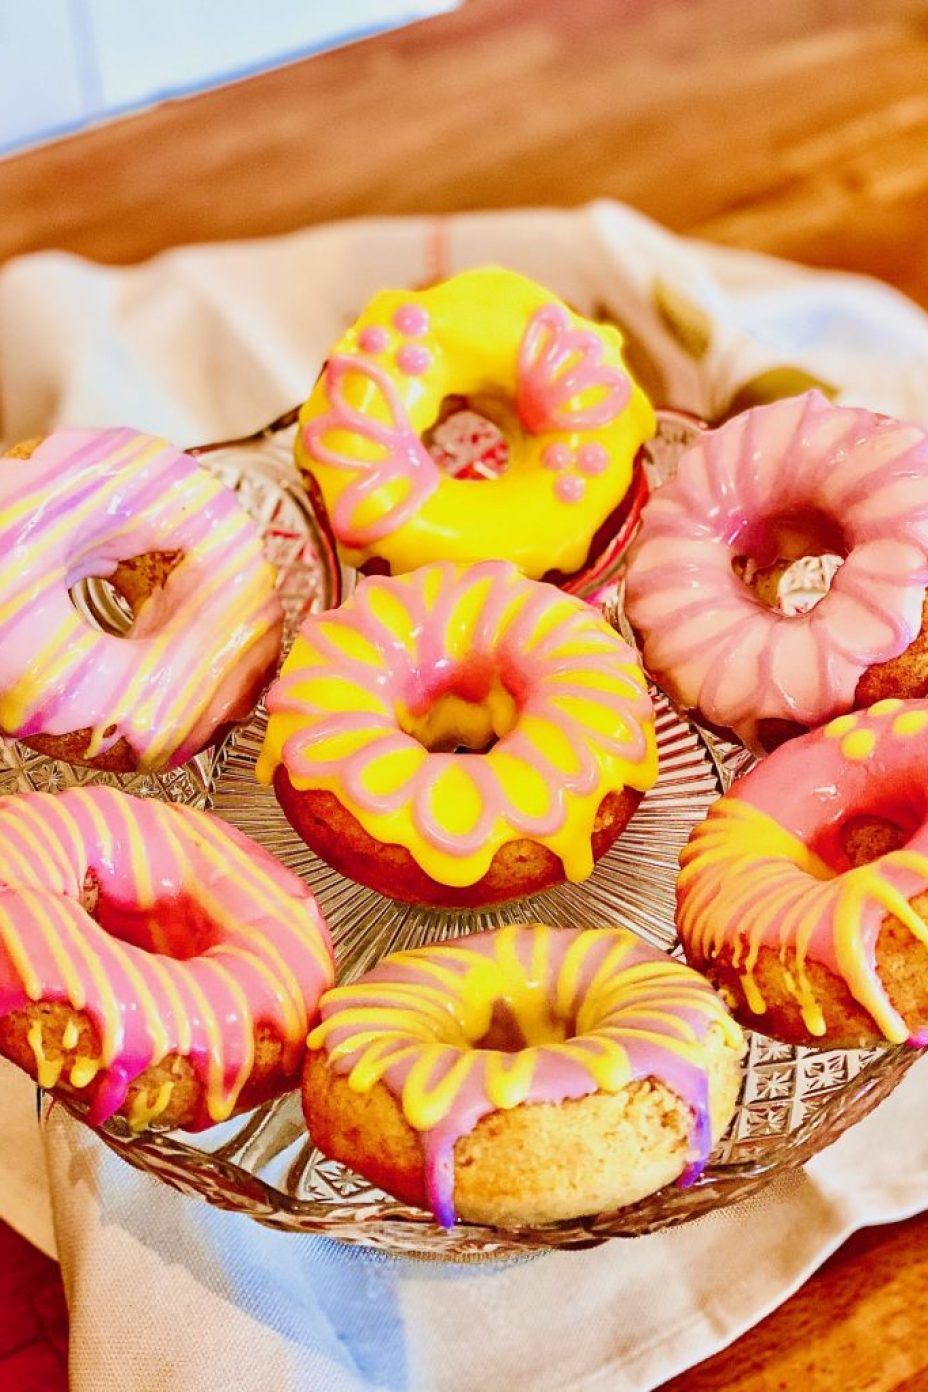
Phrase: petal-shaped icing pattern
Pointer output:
(84, 501)
(583, 1011)
(768, 869)
(739, 491)
(563, 383)
(199, 934)
(548, 379)
(377, 694)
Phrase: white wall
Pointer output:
(64, 63)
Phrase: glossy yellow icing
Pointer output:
(542, 512)
(374, 694)
(750, 880)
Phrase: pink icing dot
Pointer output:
(556, 457)
(373, 339)
(592, 459)
(411, 319)
(413, 360)
(569, 489)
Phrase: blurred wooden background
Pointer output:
(798, 127)
(794, 126)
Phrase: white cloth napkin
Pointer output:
(166, 1293)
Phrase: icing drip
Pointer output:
(449, 656)
(548, 379)
(714, 644)
(768, 869)
(593, 1010)
(201, 935)
(84, 501)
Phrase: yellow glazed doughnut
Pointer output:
(460, 735)
(554, 383)
(524, 1075)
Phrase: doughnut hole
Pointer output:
(469, 437)
(466, 712)
(774, 557)
(52, 1040)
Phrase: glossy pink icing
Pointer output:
(404, 455)
(741, 885)
(413, 359)
(707, 638)
(412, 319)
(563, 384)
(201, 935)
(556, 457)
(85, 500)
(569, 488)
(644, 1013)
(592, 459)
(373, 339)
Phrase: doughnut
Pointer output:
(154, 962)
(803, 896)
(555, 384)
(174, 543)
(798, 477)
(459, 735)
(524, 1075)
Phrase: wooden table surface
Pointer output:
(798, 127)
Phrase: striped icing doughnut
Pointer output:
(797, 477)
(804, 895)
(206, 633)
(554, 383)
(524, 1075)
(459, 735)
(154, 962)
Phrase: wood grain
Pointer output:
(798, 127)
(859, 1325)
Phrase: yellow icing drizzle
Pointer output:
(431, 1012)
(745, 879)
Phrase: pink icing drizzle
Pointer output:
(85, 500)
(683, 999)
(167, 875)
(404, 455)
(707, 638)
(537, 672)
(563, 384)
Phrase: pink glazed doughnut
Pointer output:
(175, 544)
(798, 477)
(154, 962)
(803, 896)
